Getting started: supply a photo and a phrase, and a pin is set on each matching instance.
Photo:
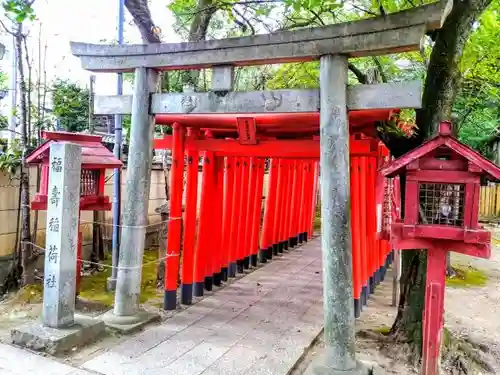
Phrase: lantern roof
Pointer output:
(94, 153)
(444, 140)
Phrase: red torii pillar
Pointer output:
(227, 223)
(217, 250)
(235, 217)
(175, 223)
(190, 212)
(254, 242)
(266, 246)
(250, 209)
(242, 261)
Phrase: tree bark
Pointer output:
(26, 248)
(441, 86)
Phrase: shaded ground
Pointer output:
(472, 311)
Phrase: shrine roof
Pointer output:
(443, 139)
(94, 153)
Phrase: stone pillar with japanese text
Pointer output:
(62, 235)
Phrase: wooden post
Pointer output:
(434, 310)
(217, 248)
(278, 209)
(227, 222)
(250, 209)
(266, 244)
(175, 219)
(189, 237)
(208, 185)
(356, 204)
(340, 345)
(254, 244)
(243, 261)
(235, 217)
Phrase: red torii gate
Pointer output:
(233, 174)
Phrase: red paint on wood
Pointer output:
(236, 210)
(190, 211)
(227, 223)
(202, 244)
(175, 219)
(355, 228)
(246, 130)
(270, 206)
(433, 310)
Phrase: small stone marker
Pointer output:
(62, 235)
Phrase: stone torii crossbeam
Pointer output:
(332, 46)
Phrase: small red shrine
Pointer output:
(96, 158)
(442, 190)
(443, 179)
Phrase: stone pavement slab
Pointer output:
(260, 324)
(16, 361)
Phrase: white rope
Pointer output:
(104, 265)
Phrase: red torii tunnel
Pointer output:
(231, 234)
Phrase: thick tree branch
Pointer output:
(358, 73)
(139, 10)
(443, 73)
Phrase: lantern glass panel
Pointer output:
(442, 204)
(89, 182)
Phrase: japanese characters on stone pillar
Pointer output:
(62, 235)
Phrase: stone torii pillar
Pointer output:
(340, 352)
(126, 315)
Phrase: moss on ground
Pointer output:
(467, 276)
(93, 287)
(383, 330)
(29, 294)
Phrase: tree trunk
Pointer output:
(441, 85)
(26, 248)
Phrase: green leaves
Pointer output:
(70, 105)
(10, 160)
(19, 10)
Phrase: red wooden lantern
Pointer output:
(96, 158)
(442, 178)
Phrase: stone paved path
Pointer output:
(15, 361)
(260, 324)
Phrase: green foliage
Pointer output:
(70, 105)
(478, 104)
(3, 80)
(4, 122)
(10, 160)
(19, 10)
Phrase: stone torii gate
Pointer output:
(332, 45)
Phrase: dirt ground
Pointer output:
(472, 311)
